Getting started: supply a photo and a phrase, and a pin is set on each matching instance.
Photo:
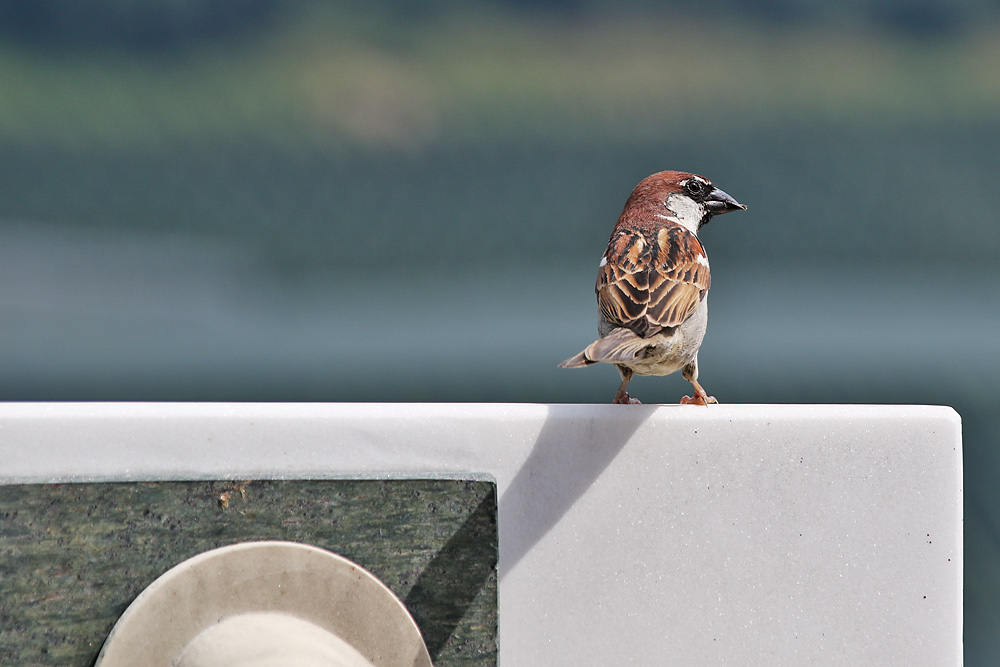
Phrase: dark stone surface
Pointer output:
(74, 556)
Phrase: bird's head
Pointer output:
(676, 196)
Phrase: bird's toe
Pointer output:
(698, 400)
(622, 398)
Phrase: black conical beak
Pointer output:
(718, 202)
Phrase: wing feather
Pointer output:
(653, 279)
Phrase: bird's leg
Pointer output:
(690, 373)
(622, 397)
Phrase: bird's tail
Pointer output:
(576, 361)
(621, 346)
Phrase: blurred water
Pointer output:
(136, 316)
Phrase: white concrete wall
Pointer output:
(629, 535)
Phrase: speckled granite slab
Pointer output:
(73, 556)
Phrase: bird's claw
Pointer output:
(624, 399)
(698, 400)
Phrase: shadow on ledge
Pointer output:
(574, 448)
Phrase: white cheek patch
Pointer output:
(687, 212)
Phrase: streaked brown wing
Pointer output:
(652, 279)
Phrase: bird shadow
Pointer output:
(575, 445)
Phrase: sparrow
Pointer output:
(653, 280)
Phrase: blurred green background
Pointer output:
(406, 201)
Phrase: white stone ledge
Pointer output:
(629, 535)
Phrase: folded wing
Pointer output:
(652, 279)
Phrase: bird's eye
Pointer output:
(694, 187)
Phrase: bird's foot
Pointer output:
(622, 398)
(698, 399)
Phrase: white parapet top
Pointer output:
(629, 535)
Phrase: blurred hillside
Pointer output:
(287, 134)
(267, 200)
